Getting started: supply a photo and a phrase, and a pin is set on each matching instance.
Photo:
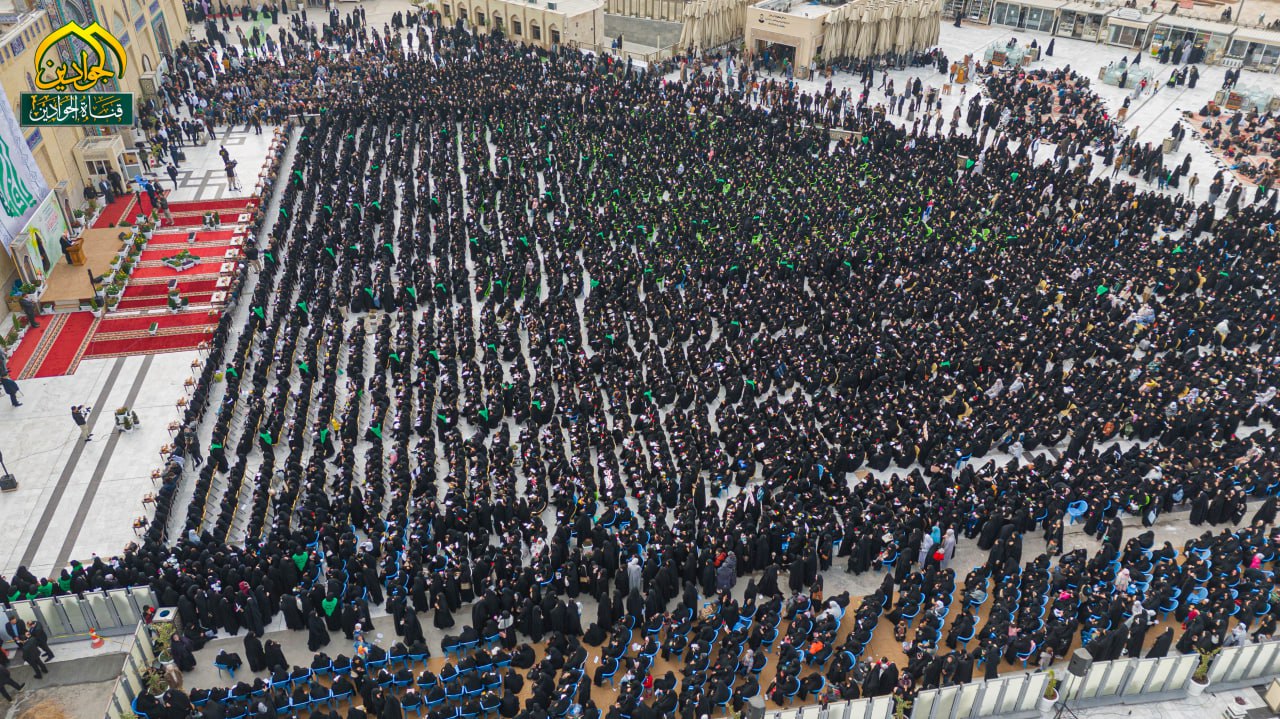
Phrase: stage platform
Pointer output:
(68, 286)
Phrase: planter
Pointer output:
(1196, 688)
(1046, 703)
(183, 266)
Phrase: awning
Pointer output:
(1046, 4)
(1177, 22)
(1087, 8)
(1141, 22)
(1258, 35)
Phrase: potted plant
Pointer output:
(1050, 697)
(182, 261)
(901, 707)
(112, 301)
(77, 218)
(1200, 679)
(157, 685)
(163, 631)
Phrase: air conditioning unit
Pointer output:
(551, 6)
(150, 83)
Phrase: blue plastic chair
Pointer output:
(1024, 656)
(230, 670)
(1076, 510)
(911, 616)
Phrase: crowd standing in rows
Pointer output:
(532, 326)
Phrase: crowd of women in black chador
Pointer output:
(532, 326)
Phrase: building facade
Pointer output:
(544, 23)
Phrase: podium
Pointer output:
(76, 253)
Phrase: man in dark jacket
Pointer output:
(6, 680)
(31, 654)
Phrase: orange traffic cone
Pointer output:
(95, 641)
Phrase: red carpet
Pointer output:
(161, 302)
(165, 272)
(113, 325)
(178, 240)
(228, 218)
(234, 203)
(113, 213)
(27, 347)
(161, 289)
(117, 336)
(145, 345)
(63, 356)
(202, 251)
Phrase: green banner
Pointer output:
(75, 109)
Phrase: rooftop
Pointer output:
(13, 24)
(797, 7)
(570, 8)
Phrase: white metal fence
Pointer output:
(111, 612)
(130, 684)
(1124, 681)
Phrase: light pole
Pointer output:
(7, 482)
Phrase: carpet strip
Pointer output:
(35, 346)
(113, 213)
(135, 291)
(203, 206)
(64, 354)
(112, 325)
(161, 271)
(161, 302)
(147, 345)
(206, 252)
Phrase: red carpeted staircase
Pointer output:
(117, 336)
(113, 213)
(238, 204)
(57, 349)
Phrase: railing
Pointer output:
(112, 612)
(1124, 681)
(1236, 666)
(130, 684)
(649, 58)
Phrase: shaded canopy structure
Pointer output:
(711, 23)
(865, 28)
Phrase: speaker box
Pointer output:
(1081, 660)
(754, 708)
(8, 483)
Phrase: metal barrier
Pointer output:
(111, 612)
(1236, 666)
(877, 708)
(130, 684)
(1124, 681)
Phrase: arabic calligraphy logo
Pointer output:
(14, 195)
(81, 76)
